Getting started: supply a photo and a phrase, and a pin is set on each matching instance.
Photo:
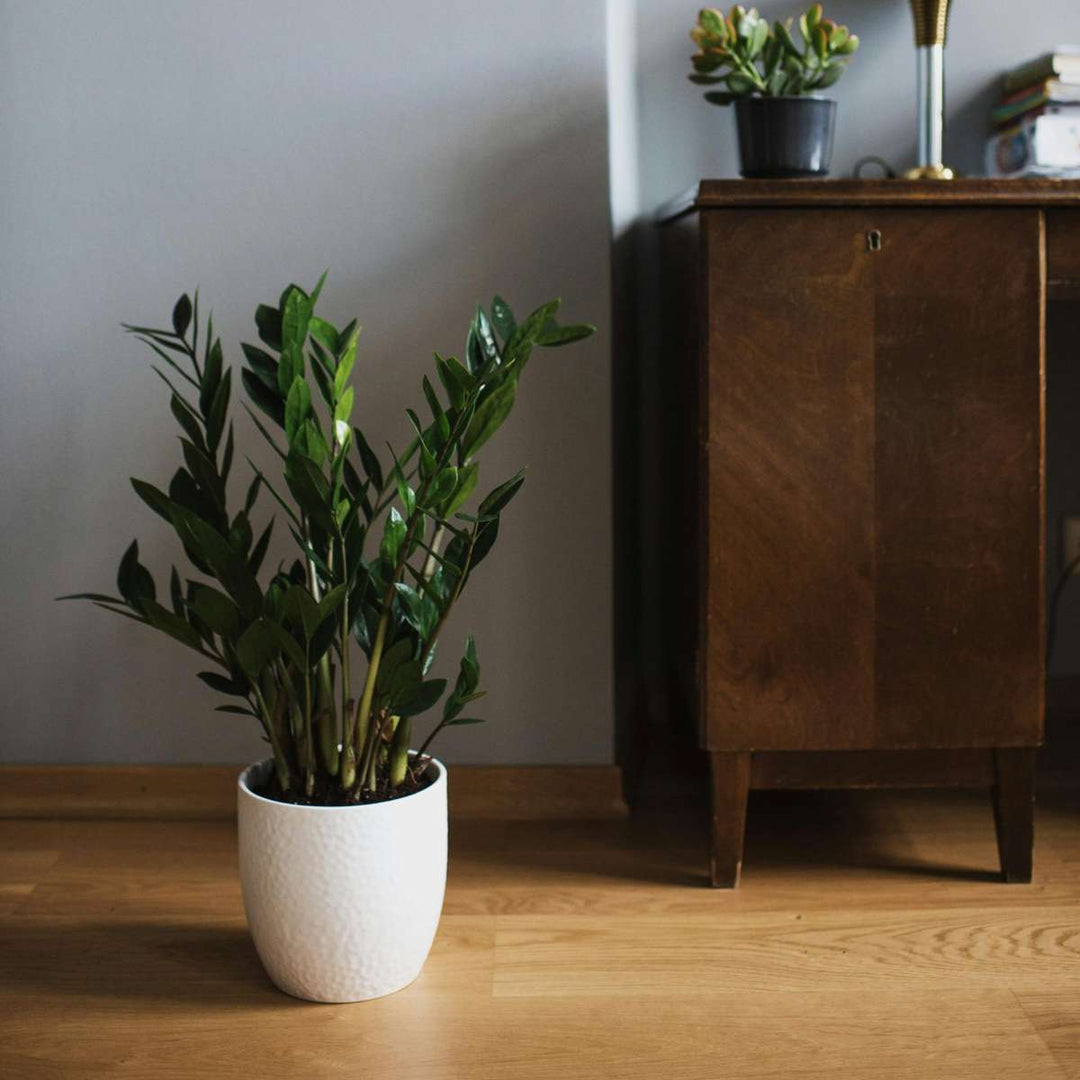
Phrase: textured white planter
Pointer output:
(343, 901)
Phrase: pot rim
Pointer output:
(246, 792)
(785, 97)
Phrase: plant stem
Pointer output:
(309, 733)
(363, 731)
(363, 708)
(281, 764)
(445, 613)
(431, 563)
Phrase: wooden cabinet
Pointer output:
(866, 485)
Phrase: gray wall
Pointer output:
(428, 156)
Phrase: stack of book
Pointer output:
(1037, 123)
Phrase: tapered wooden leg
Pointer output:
(1014, 811)
(730, 788)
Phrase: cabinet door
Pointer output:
(873, 472)
(788, 620)
(958, 468)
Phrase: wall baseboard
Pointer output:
(477, 792)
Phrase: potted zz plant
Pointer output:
(785, 126)
(342, 830)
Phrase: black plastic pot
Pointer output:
(785, 137)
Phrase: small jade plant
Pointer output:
(386, 543)
(748, 57)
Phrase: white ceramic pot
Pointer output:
(343, 901)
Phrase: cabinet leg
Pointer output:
(730, 788)
(1014, 811)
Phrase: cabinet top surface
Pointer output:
(721, 194)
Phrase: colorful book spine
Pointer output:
(1049, 92)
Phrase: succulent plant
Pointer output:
(747, 56)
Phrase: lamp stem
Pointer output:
(931, 22)
(930, 73)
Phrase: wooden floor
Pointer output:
(869, 939)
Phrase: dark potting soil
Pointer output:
(326, 794)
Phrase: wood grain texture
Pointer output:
(874, 480)
(815, 770)
(1014, 811)
(730, 790)
(720, 194)
(1063, 247)
(209, 791)
(865, 942)
(958, 465)
(789, 603)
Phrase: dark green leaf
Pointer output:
(302, 609)
(444, 485)
(535, 324)
(229, 568)
(553, 335)
(368, 458)
(485, 540)
(262, 364)
(485, 337)
(322, 381)
(501, 496)
(296, 311)
(100, 597)
(264, 397)
(268, 322)
(466, 481)
(215, 609)
(297, 407)
(425, 697)
(211, 377)
(181, 316)
(474, 352)
(223, 684)
(176, 593)
(289, 645)
(502, 318)
(393, 536)
(133, 581)
(157, 500)
(309, 488)
(489, 415)
(452, 384)
(324, 333)
(188, 421)
(164, 620)
(257, 647)
(323, 637)
(258, 552)
(215, 422)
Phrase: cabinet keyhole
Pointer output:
(873, 240)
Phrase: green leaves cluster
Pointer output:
(385, 542)
(746, 55)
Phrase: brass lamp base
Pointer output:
(930, 172)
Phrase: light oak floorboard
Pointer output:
(869, 939)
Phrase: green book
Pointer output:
(1062, 64)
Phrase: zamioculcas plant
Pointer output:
(743, 53)
(332, 654)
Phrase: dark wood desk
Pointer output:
(863, 438)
